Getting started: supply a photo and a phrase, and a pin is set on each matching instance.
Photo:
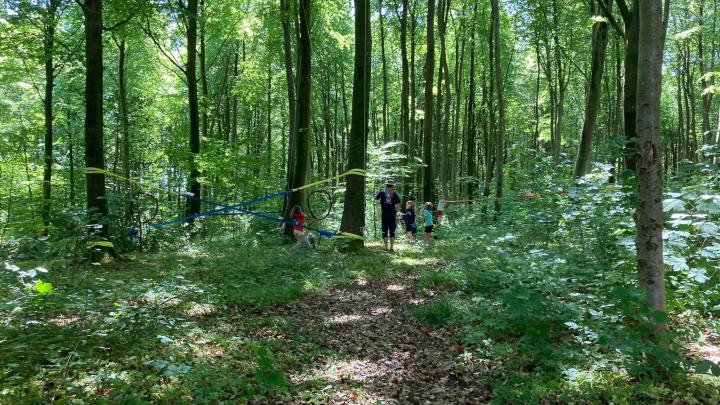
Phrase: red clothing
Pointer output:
(298, 221)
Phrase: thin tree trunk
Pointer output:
(48, 53)
(124, 122)
(500, 143)
(444, 135)
(289, 77)
(404, 98)
(193, 204)
(386, 135)
(592, 104)
(269, 120)
(470, 126)
(428, 119)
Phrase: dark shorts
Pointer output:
(429, 229)
(389, 225)
(411, 228)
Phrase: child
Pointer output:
(298, 224)
(409, 217)
(440, 210)
(428, 221)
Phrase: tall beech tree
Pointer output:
(353, 217)
(428, 111)
(303, 129)
(652, 21)
(500, 89)
(94, 150)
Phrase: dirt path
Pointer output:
(379, 352)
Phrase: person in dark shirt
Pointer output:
(389, 201)
(409, 218)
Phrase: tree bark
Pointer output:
(386, 135)
(470, 126)
(428, 118)
(500, 143)
(289, 77)
(193, 205)
(124, 121)
(94, 149)
(404, 98)
(444, 131)
(353, 217)
(649, 209)
(592, 104)
(49, 54)
(630, 87)
(304, 110)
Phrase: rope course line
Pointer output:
(238, 208)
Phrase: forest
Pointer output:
(359, 201)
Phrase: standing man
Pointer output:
(389, 202)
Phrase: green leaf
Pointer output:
(673, 204)
(43, 288)
(704, 367)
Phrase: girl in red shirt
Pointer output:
(298, 224)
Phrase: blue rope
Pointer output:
(222, 208)
(238, 208)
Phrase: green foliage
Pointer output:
(437, 313)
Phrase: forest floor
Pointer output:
(498, 317)
(381, 353)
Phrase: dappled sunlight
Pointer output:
(351, 296)
(199, 310)
(344, 319)
(65, 320)
(396, 287)
(707, 351)
(381, 311)
(415, 261)
(416, 301)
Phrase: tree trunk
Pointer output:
(287, 52)
(124, 122)
(353, 217)
(649, 209)
(269, 120)
(304, 111)
(193, 205)
(592, 104)
(94, 150)
(414, 139)
(470, 126)
(500, 143)
(428, 119)
(404, 98)
(205, 101)
(48, 53)
(630, 88)
(444, 132)
(386, 135)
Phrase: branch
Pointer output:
(610, 18)
(122, 22)
(624, 11)
(149, 33)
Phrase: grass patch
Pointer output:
(437, 313)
